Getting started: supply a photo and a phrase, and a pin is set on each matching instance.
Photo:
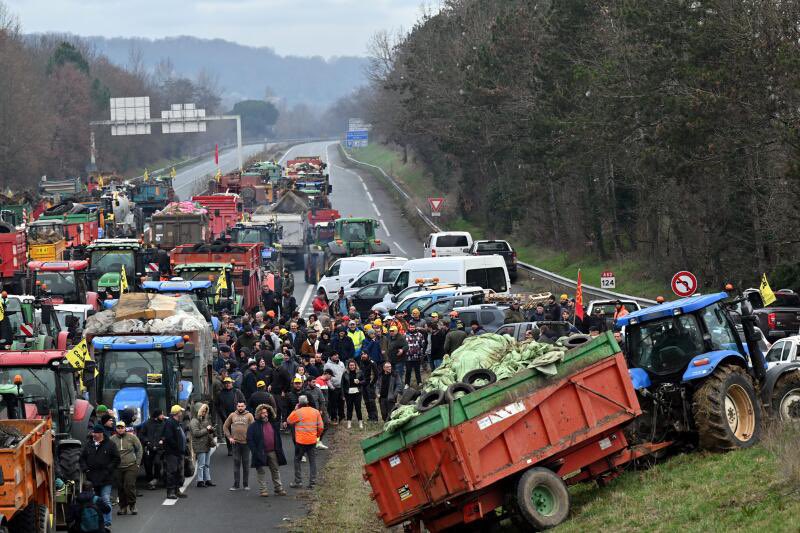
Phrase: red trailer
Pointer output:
(245, 258)
(224, 211)
(514, 445)
(13, 252)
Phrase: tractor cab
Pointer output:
(60, 282)
(267, 233)
(229, 299)
(201, 293)
(107, 258)
(141, 373)
(356, 236)
(28, 324)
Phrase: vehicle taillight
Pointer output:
(433, 252)
(513, 256)
(771, 322)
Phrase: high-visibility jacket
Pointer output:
(621, 313)
(357, 337)
(307, 424)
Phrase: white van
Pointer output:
(447, 244)
(344, 271)
(486, 271)
(379, 274)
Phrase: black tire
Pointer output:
(726, 410)
(32, 519)
(479, 373)
(69, 462)
(785, 399)
(429, 400)
(576, 340)
(542, 498)
(457, 388)
(408, 396)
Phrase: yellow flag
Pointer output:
(100, 182)
(172, 173)
(146, 175)
(222, 283)
(123, 281)
(2, 309)
(78, 355)
(767, 296)
(218, 175)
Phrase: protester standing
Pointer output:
(202, 432)
(151, 436)
(130, 458)
(335, 398)
(388, 387)
(99, 460)
(226, 404)
(351, 381)
(264, 441)
(235, 429)
(308, 428)
(174, 452)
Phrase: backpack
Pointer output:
(90, 517)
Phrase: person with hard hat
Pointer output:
(308, 428)
(130, 457)
(174, 452)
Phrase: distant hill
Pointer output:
(245, 71)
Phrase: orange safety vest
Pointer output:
(307, 424)
(621, 313)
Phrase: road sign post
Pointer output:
(608, 280)
(357, 139)
(684, 283)
(436, 206)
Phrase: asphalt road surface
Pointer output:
(188, 179)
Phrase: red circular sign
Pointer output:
(684, 283)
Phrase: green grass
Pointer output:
(631, 276)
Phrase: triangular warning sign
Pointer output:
(436, 204)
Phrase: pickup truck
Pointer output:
(502, 248)
(779, 319)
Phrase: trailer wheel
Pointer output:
(479, 374)
(573, 341)
(408, 396)
(726, 410)
(542, 498)
(32, 519)
(429, 400)
(456, 390)
(786, 398)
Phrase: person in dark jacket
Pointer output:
(266, 448)
(351, 388)
(552, 310)
(372, 347)
(174, 452)
(226, 402)
(151, 436)
(539, 314)
(281, 383)
(438, 335)
(369, 375)
(85, 515)
(396, 349)
(454, 338)
(249, 379)
(99, 460)
(288, 304)
(387, 388)
(343, 345)
(261, 396)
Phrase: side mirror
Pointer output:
(245, 277)
(42, 409)
(188, 351)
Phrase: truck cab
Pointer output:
(60, 282)
(142, 372)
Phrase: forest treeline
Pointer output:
(663, 131)
(51, 88)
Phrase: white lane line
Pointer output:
(306, 298)
(370, 197)
(385, 229)
(375, 207)
(399, 247)
(188, 480)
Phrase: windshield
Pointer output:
(354, 231)
(452, 241)
(136, 369)
(665, 346)
(247, 235)
(62, 318)
(59, 283)
(103, 261)
(39, 387)
(415, 303)
(493, 247)
(13, 311)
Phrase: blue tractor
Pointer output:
(701, 377)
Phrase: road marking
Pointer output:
(376, 209)
(306, 298)
(370, 198)
(188, 480)
(384, 228)
(399, 247)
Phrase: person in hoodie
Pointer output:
(335, 399)
(343, 345)
(369, 375)
(152, 438)
(266, 449)
(372, 347)
(202, 433)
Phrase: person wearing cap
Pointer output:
(226, 403)
(438, 333)
(539, 314)
(281, 383)
(174, 452)
(416, 319)
(308, 428)
(396, 349)
(261, 395)
(202, 434)
(454, 338)
(552, 311)
(335, 398)
(99, 461)
(372, 347)
(130, 457)
(399, 321)
(151, 436)
(249, 378)
(513, 314)
(266, 449)
(296, 391)
(247, 339)
(224, 354)
(235, 429)
(387, 388)
(357, 336)
(369, 375)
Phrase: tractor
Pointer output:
(701, 381)
(62, 282)
(108, 257)
(355, 236)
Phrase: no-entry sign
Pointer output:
(684, 283)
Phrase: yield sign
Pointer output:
(436, 204)
(684, 283)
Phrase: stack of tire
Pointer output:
(428, 400)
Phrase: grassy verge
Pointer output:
(341, 500)
(630, 275)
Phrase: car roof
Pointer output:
(478, 307)
(676, 307)
(490, 240)
(73, 308)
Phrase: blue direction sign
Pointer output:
(357, 139)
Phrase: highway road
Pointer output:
(188, 179)
(217, 509)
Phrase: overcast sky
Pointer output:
(290, 27)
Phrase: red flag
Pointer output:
(579, 298)
(216, 154)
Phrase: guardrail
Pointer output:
(532, 269)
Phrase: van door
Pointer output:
(331, 279)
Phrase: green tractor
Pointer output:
(355, 236)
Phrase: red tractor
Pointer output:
(62, 282)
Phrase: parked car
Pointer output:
(344, 271)
(489, 316)
(447, 243)
(501, 248)
(779, 319)
(391, 301)
(443, 306)
(368, 296)
(467, 295)
(783, 351)
(517, 330)
(379, 274)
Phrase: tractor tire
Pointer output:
(408, 396)
(479, 374)
(542, 498)
(726, 410)
(32, 519)
(429, 400)
(573, 341)
(456, 390)
(69, 463)
(786, 397)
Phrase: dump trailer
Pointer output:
(173, 226)
(27, 502)
(151, 351)
(80, 223)
(294, 232)
(13, 254)
(508, 448)
(224, 211)
(45, 240)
